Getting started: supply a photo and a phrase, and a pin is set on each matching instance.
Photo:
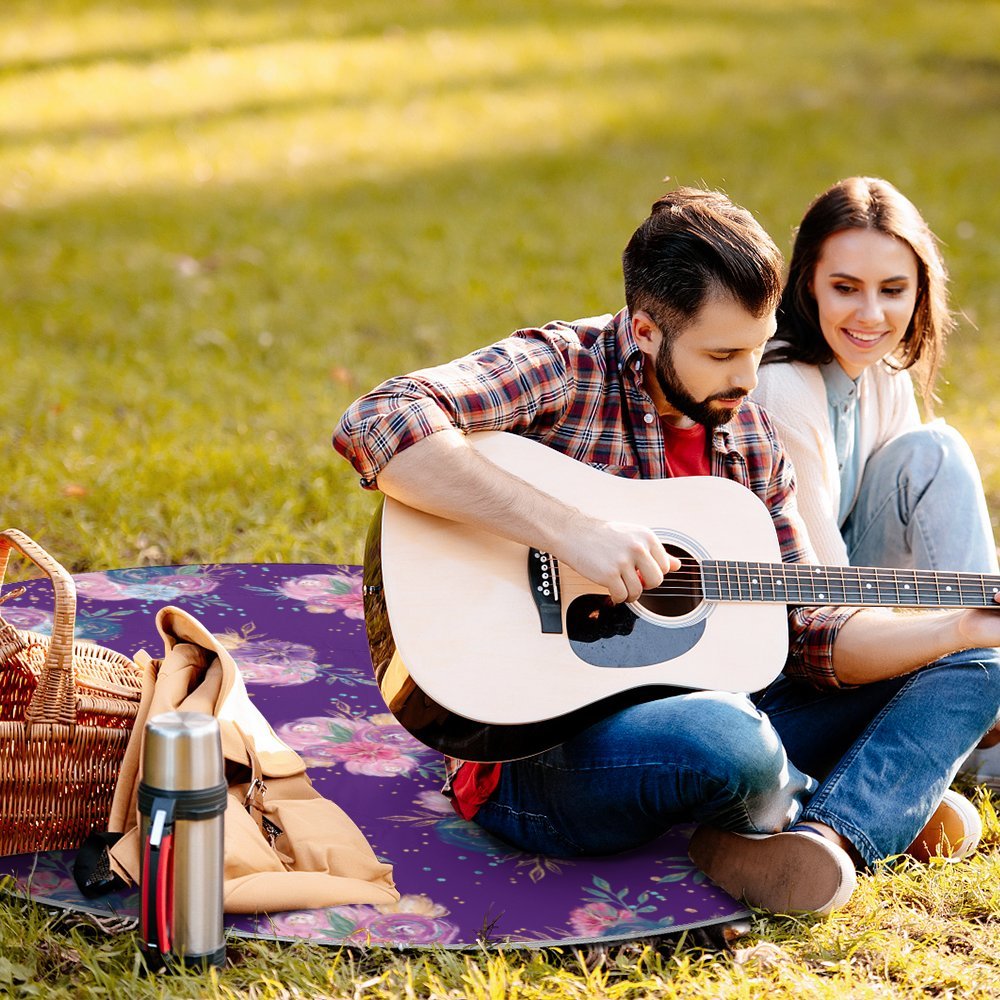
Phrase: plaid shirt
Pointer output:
(577, 387)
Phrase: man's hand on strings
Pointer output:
(624, 558)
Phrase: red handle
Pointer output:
(165, 894)
(156, 912)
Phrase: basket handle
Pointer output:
(54, 700)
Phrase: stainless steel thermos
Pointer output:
(182, 801)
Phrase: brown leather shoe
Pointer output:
(790, 872)
(953, 832)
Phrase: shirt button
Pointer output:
(648, 418)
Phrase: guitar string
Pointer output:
(809, 571)
(688, 581)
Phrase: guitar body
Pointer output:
(458, 635)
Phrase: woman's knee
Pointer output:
(927, 452)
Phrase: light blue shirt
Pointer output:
(842, 402)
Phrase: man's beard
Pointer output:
(680, 399)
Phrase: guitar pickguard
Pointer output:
(612, 635)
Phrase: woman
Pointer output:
(865, 304)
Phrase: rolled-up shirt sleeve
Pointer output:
(517, 383)
(812, 632)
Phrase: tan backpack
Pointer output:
(286, 847)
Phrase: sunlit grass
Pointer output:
(912, 932)
(219, 222)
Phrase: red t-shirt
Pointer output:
(686, 455)
(686, 450)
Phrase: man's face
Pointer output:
(704, 374)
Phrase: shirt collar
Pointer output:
(630, 357)
(632, 360)
(840, 387)
(722, 440)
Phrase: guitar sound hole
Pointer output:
(680, 593)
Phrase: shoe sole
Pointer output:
(782, 872)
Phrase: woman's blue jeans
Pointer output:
(921, 506)
(872, 762)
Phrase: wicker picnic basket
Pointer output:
(67, 708)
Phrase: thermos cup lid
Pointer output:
(182, 752)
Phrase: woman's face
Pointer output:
(865, 285)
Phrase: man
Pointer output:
(852, 749)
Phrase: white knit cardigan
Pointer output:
(794, 395)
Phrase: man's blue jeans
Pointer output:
(872, 762)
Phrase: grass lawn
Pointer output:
(222, 221)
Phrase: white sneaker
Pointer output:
(789, 872)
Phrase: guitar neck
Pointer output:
(801, 583)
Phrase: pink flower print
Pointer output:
(301, 923)
(28, 619)
(363, 747)
(434, 802)
(99, 587)
(188, 585)
(50, 882)
(377, 751)
(154, 584)
(596, 919)
(272, 661)
(389, 733)
(373, 759)
(415, 919)
(304, 733)
(405, 928)
(324, 593)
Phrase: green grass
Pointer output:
(221, 221)
(911, 932)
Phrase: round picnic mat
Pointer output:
(297, 633)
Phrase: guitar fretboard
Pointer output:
(800, 583)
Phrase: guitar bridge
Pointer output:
(543, 578)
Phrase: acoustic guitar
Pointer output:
(489, 650)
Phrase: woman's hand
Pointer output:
(980, 627)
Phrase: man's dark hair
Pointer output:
(694, 244)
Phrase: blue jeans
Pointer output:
(872, 762)
(705, 756)
(921, 506)
(885, 752)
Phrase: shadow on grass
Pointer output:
(228, 25)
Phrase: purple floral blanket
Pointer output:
(297, 634)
